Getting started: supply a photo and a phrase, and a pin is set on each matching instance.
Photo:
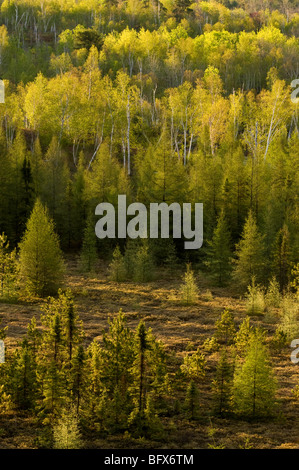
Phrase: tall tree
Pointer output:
(41, 264)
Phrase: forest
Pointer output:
(141, 343)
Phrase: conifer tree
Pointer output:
(117, 268)
(194, 365)
(192, 400)
(66, 431)
(24, 378)
(78, 377)
(188, 290)
(220, 252)
(222, 384)
(254, 384)
(89, 255)
(250, 254)
(8, 269)
(144, 265)
(282, 257)
(225, 328)
(41, 264)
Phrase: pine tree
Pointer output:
(144, 265)
(8, 269)
(193, 366)
(117, 270)
(41, 265)
(220, 252)
(250, 254)
(255, 301)
(254, 384)
(282, 258)
(66, 431)
(222, 385)
(89, 255)
(24, 390)
(225, 328)
(192, 400)
(188, 290)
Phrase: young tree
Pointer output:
(222, 385)
(250, 254)
(225, 328)
(66, 431)
(41, 264)
(144, 267)
(117, 270)
(89, 255)
(282, 257)
(188, 290)
(192, 400)
(220, 252)
(254, 384)
(8, 268)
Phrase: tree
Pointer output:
(8, 268)
(117, 269)
(89, 255)
(250, 259)
(254, 384)
(282, 258)
(144, 265)
(222, 385)
(188, 290)
(192, 400)
(225, 328)
(220, 253)
(41, 264)
(66, 432)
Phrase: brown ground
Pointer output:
(177, 326)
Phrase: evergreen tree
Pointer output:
(89, 255)
(225, 328)
(66, 431)
(250, 254)
(192, 400)
(188, 290)
(41, 265)
(254, 384)
(24, 389)
(282, 258)
(222, 385)
(220, 252)
(8, 269)
(117, 270)
(144, 265)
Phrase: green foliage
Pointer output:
(255, 299)
(222, 385)
(192, 400)
(250, 254)
(40, 260)
(8, 269)
(193, 366)
(117, 270)
(189, 290)
(89, 255)
(66, 431)
(219, 259)
(225, 328)
(254, 385)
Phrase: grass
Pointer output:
(182, 328)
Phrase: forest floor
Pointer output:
(180, 328)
